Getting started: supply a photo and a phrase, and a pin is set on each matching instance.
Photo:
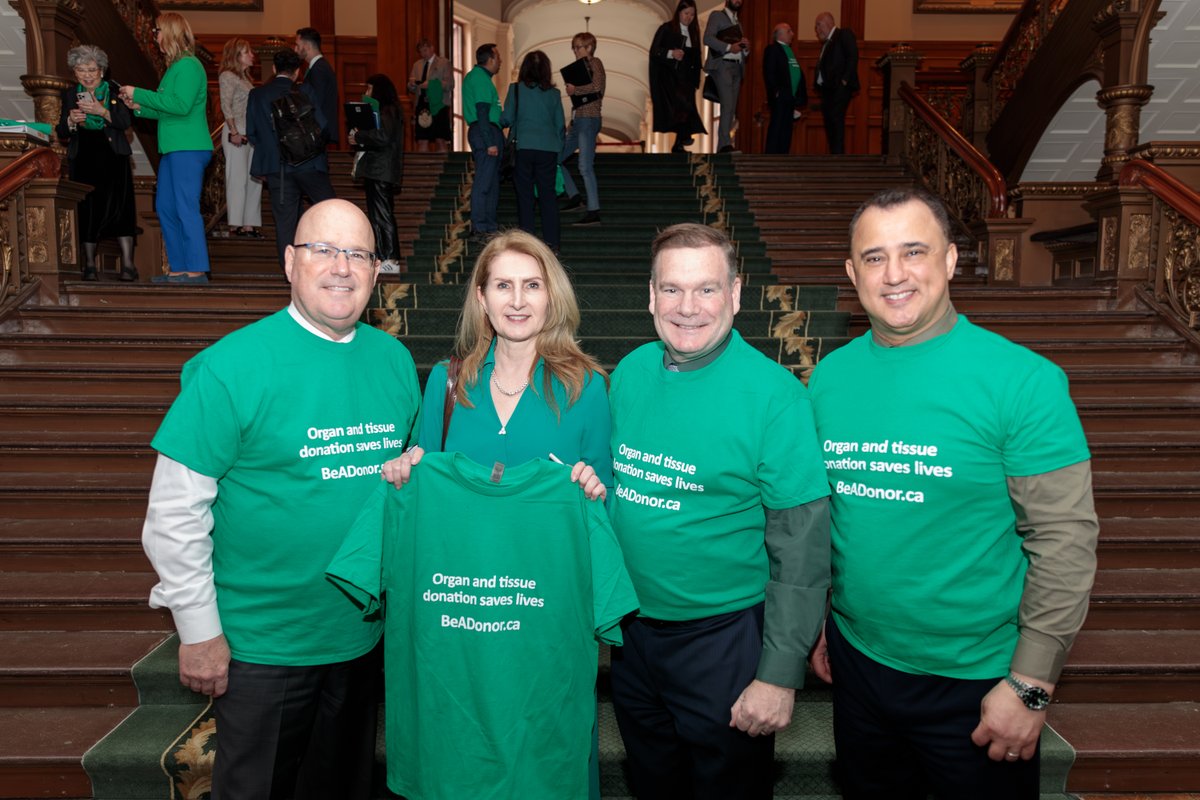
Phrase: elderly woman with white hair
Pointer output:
(94, 125)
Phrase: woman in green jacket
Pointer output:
(186, 146)
(533, 112)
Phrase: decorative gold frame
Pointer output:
(966, 6)
(211, 5)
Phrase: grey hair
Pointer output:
(87, 53)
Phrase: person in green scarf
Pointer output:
(94, 123)
(786, 91)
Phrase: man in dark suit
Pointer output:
(837, 78)
(785, 88)
(725, 63)
(285, 183)
(319, 75)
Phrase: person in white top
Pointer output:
(243, 194)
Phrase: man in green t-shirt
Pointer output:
(273, 444)
(721, 509)
(481, 112)
(964, 531)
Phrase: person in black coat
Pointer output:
(837, 78)
(675, 76)
(381, 163)
(94, 123)
(320, 77)
(285, 182)
(785, 89)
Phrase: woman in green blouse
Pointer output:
(525, 388)
(186, 146)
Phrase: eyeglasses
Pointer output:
(325, 254)
(87, 70)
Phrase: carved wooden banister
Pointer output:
(212, 195)
(41, 162)
(950, 164)
(1174, 241)
(16, 279)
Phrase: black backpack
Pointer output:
(300, 137)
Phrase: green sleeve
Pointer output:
(181, 87)
(356, 569)
(429, 426)
(203, 428)
(797, 542)
(790, 469)
(613, 595)
(596, 447)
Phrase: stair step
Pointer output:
(76, 601)
(1132, 666)
(1145, 599)
(71, 668)
(1130, 747)
(1154, 543)
(41, 749)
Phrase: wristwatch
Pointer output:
(1035, 698)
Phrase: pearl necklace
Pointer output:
(506, 392)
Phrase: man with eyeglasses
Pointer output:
(265, 457)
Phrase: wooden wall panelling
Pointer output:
(399, 26)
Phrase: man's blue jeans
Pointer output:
(485, 191)
(582, 135)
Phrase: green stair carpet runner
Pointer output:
(165, 748)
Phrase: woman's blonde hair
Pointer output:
(177, 37)
(229, 58)
(561, 355)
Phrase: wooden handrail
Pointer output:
(41, 162)
(1028, 8)
(978, 163)
(1165, 186)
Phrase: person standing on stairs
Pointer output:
(836, 79)
(722, 512)
(432, 83)
(964, 532)
(786, 92)
(381, 164)
(726, 64)
(95, 126)
(533, 112)
(265, 458)
(585, 127)
(319, 76)
(243, 193)
(285, 182)
(481, 112)
(179, 104)
(675, 76)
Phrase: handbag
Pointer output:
(424, 118)
(710, 90)
(451, 396)
(508, 156)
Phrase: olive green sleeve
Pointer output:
(797, 541)
(1056, 518)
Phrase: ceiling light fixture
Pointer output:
(589, 2)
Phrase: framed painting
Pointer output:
(966, 6)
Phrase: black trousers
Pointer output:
(285, 193)
(381, 198)
(673, 686)
(536, 168)
(904, 736)
(833, 109)
(297, 732)
(779, 129)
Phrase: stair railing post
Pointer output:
(1125, 215)
(899, 65)
(1122, 29)
(51, 27)
(978, 111)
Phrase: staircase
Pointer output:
(1127, 701)
(84, 385)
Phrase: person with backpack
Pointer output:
(288, 130)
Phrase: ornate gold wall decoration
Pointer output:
(1108, 244)
(35, 230)
(1002, 259)
(66, 236)
(1139, 242)
(6, 251)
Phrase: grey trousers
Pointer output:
(727, 75)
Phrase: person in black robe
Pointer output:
(675, 76)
